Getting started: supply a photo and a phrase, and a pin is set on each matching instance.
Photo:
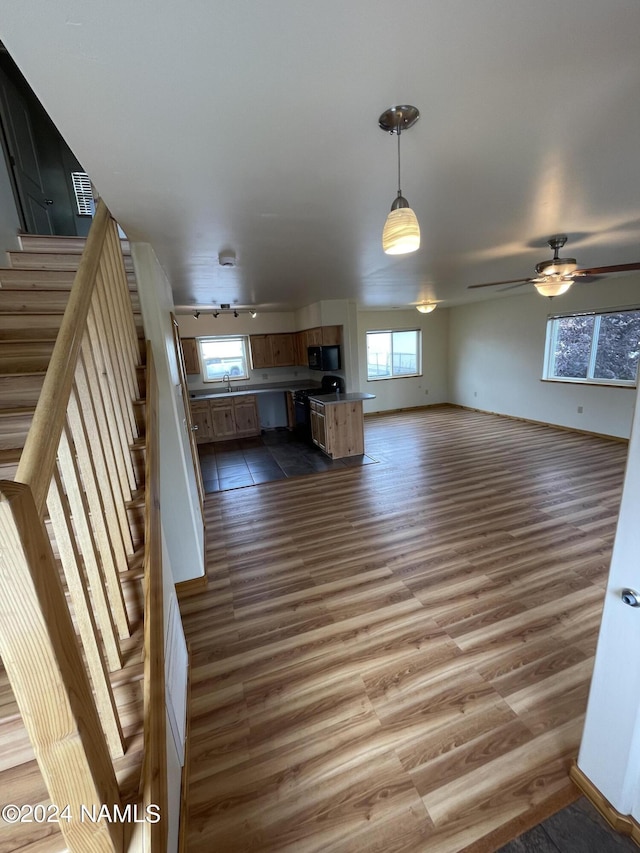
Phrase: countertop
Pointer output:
(205, 394)
(351, 397)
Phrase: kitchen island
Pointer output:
(337, 423)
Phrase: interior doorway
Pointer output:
(39, 162)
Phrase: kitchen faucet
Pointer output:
(226, 378)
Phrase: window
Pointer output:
(222, 356)
(599, 348)
(391, 355)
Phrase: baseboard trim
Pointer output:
(540, 423)
(383, 412)
(624, 824)
(191, 587)
(184, 786)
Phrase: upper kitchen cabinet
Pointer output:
(190, 354)
(272, 350)
(331, 336)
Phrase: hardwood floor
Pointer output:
(397, 657)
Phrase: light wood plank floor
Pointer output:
(397, 657)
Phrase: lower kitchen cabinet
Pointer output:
(245, 410)
(338, 428)
(231, 417)
(201, 417)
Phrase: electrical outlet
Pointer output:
(475, 393)
(426, 392)
(580, 410)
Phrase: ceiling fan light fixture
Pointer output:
(426, 307)
(553, 288)
(557, 266)
(401, 233)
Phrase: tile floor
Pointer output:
(274, 455)
(578, 828)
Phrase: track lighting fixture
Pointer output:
(225, 308)
(401, 233)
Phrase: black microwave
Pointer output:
(324, 358)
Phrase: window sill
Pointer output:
(593, 383)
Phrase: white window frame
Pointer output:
(590, 379)
(238, 377)
(392, 332)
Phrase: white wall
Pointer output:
(496, 351)
(425, 390)
(179, 504)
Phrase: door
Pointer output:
(182, 376)
(40, 163)
(610, 749)
(24, 162)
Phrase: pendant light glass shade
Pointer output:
(553, 288)
(401, 233)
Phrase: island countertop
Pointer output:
(350, 397)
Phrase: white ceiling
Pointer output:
(251, 125)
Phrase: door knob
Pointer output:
(194, 427)
(48, 201)
(631, 597)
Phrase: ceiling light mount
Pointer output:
(227, 258)
(401, 233)
(557, 265)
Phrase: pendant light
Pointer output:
(401, 233)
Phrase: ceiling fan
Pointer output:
(556, 276)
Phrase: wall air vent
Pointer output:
(84, 193)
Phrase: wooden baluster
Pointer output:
(118, 292)
(95, 501)
(89, 551)
(108, 389)
(127, 387)
(112, 241)
(93, 405)
(100, 392)
(76, 584)
(154, 774)
(41, 656)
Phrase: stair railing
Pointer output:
(74, 485)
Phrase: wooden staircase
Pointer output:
(88, 480)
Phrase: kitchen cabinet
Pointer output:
(276, 350)
(190, 355)
(331, 336)
(223, 421)
(337, 428)
(201, 417)
(229, 417)
(313, 337)
(245, 411)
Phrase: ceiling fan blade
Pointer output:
(496, 283)
(609, 269)
(514, 286)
